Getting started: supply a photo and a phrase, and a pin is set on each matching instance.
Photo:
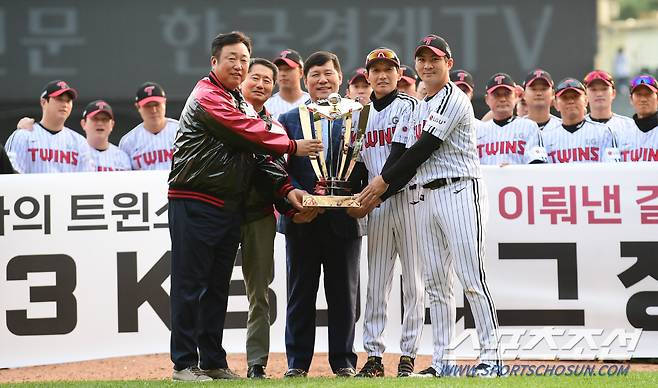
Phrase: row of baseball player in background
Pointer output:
(518, 129)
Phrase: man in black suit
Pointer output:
(330, 240)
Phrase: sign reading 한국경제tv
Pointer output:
(168, 41)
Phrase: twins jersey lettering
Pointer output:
(391, 233)
(517, 142)
(591, 142)
(448, 115)
(451, 224)
(638, 146)
(148, 151)
(111, 159)
(277, 105)
(39, 151)
(391, 124)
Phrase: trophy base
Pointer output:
(330, 201)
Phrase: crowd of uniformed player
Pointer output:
(518, 129)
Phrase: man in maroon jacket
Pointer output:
(213, 164)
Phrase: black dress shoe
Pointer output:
(293, 372)
(256, 372)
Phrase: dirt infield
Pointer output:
(158, 367)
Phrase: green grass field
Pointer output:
(633, 379)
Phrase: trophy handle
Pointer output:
(363, 123)
(308, 134)
(347, 138)
(318, 133)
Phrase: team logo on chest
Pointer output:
(395, 119)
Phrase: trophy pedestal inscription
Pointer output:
(330, 201)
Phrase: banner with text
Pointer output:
(572, 258)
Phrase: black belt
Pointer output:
(438, 183)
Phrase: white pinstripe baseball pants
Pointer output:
(392, 232)
(451, 236)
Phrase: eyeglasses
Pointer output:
(598, 74)
(644, 80)
(382, 53)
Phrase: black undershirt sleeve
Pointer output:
(401, 172)
(359, 177)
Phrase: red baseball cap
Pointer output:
(358, 73)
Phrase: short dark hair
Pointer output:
(266, 63)
(232, 37)
(319, 58)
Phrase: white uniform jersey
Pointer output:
(518, 141)
(148, 151)
(111, 159)
(40, 151)
(592, 142)
(277, 105)
(552, 123)
(638, 146)
(618, 124)
(448, 115)
(391, 124)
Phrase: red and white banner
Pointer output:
(572, 259)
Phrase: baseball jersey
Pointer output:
(638, 146)
(518, 141)
(618, 124)
(447, 115)
(591, 142)
(552, 123)
(40, 151)
(111, 159)
(149, 151)
(277, 105)
(392, 124)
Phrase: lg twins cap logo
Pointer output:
(461, 75)
(284, 53)
(538, 73)
(499, 79)
(428, 40)
(62, 85)
(149, 90)
(101, 105)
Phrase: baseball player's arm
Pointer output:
(403, 170)
(609, 150)
(534, 152)
(397, 150)
(16, 148)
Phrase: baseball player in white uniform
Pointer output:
(640, 142)
(392, 225)
(601, 91)
(98, 122)
(290, 94)
(578, 140)
(507, 139)
(452, 217)
(538, 94)
(150, 145)
(49, 146)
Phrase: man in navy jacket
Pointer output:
(330, 240)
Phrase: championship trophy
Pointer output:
(333, 171)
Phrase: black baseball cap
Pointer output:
(382, 54)
(290, 57)
(462, 77)
(569, 84)
(58, 87)
(95, 107)
(408, 75)
(500, 80)
(435, 43)
(538, 74)
(358, 73)
(150, 91)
